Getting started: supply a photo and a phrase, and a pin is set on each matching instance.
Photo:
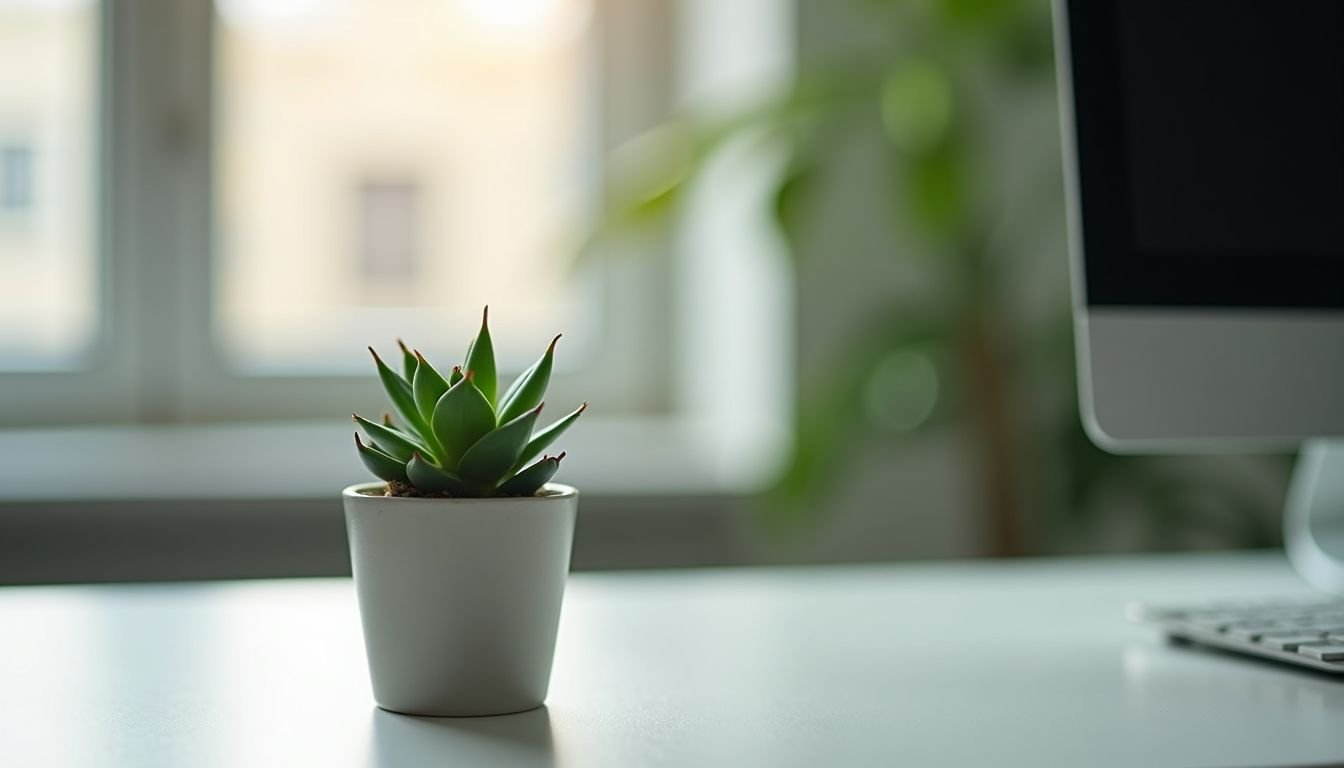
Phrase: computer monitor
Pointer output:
(1204, 144)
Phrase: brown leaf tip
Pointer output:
(551, 349)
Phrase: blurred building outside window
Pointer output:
(469, 129)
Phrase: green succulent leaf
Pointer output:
(530, 480)
(455, 376)
(481, 359)
(542, 440)
(427, 386)
(526, 391)
(388, 440)
(407, 361)
(490, 459)
(399, 392)
(431, 478)
(380, 464)
(461, 417)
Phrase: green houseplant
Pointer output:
(932, 131)
(460, 551)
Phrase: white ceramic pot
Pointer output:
(460, 598)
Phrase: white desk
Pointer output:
(1017, 664)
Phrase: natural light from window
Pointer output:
(48, 135)
(384, 169)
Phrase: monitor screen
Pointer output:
(1210, 144)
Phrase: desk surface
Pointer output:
(1025, 663)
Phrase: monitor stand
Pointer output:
(1313, 523)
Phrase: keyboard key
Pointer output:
(1333, 652)
(1288, 642)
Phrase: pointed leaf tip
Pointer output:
(543, 439)
(528, 481)
(387, 439)
(407, 361)
(551, 347)
(382, 465)
(528, 389)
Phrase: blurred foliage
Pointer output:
(935, 77)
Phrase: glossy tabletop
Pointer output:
(1026, 663)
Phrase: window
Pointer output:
(281, 184)
(16, 179)
(389, 232)
(48, 127)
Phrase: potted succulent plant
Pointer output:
(460, 552)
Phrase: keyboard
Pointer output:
(1308, 632)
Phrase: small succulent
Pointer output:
(453, 436)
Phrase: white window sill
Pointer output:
(315, 460)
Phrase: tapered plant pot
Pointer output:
(460, 598)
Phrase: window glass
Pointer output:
(384, 168)
(48, 134)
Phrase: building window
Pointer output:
(16, 178)
(389, 230)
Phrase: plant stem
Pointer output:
(994, 435)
